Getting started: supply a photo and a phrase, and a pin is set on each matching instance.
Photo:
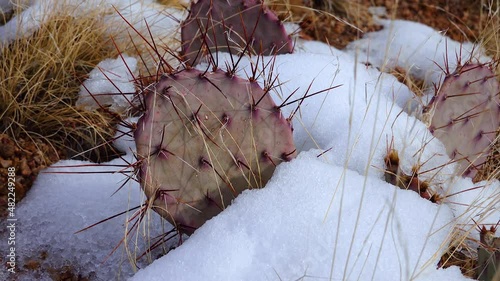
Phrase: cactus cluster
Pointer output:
(232, 26)
(465, 115)
(203, 139)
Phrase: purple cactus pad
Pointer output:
(200, 146)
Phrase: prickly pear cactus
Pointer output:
(465, 115)
(232, 26)
(203, 139)
(488, 253)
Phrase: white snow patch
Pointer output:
(473, 201)
(111, 83)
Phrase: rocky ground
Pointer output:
(28, 157)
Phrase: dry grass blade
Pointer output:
(40, 80)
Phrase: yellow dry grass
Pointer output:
(40, 79)
(490, 41)
(336, 22)
(339, 9)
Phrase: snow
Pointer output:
(303, 224)
(326, 215)
(478, 202)
(109, 84)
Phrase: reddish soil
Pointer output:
(459, 19)
(28, 157)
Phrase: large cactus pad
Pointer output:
(465, 115)
(203, 139)
(215, 25)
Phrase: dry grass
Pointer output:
(335, 22)
(170, 3)
(40, 80)
(462, 250)
(490, 27)
(490, 40)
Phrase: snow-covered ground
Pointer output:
(326, 215)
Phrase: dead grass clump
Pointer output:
(336, 22)
(489, 38)
(462, 258)
(40, 80)
(289, 10)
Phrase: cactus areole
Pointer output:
(465, 115)
(232, 26)
(203, 139)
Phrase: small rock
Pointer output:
(25, 168)
(5, 163)
(7, 146)
(32, 264)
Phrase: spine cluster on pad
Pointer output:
(203, 139)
